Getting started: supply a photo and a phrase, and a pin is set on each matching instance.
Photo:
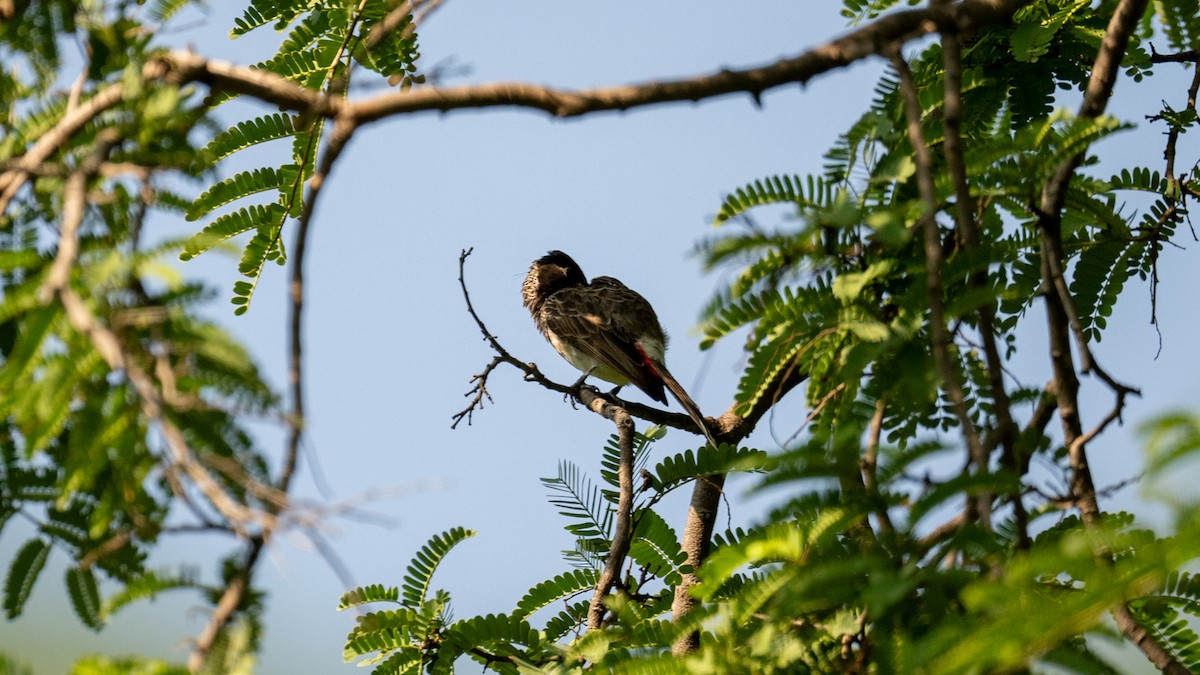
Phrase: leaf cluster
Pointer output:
(873, 558)
(324, 43)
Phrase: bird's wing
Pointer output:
(635, 311)
(598, 320)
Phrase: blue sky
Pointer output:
(390, 348)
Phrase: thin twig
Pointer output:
(228, 603)
(231, 600)
(869, 463)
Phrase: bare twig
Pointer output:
(730, 423)
(1173, 212)
(231, 600)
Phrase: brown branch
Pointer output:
(49, 142)
(869, 463)
(939, 337)
(941, 533)
(623, 535)
(969, 238)
(478, 392)
(1059, 313)
(342, 131)
(1054, 193)
(868, 40)
(730, 427)
(1187, 56)
(1059, 303)
(697, 540)
(229, 603)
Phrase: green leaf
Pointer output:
(801, 191)
(655, 547)
(368, 594)
(231, 225)
(562, 586)
(85, 596)
(22, 574)
(495, 633)
(243, 185)
(146, 586)
(250, 132)
(415, 584)
(570, 618)
(261, 12)
(847, 287)
(707, 461)
(581, 501)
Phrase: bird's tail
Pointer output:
(686, 401)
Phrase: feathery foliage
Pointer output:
(887, 548)
(324, 46)
(928, 512)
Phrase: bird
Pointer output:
(603, 328)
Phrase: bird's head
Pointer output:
(549, 273)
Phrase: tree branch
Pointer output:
(1060, 309)
(229, 603)
(697, 540)
(868, 40)
(1054, 193)
(74, 120)
(939, 337)
(969, 239)
(623, 535)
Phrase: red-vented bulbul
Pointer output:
(603, 328)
